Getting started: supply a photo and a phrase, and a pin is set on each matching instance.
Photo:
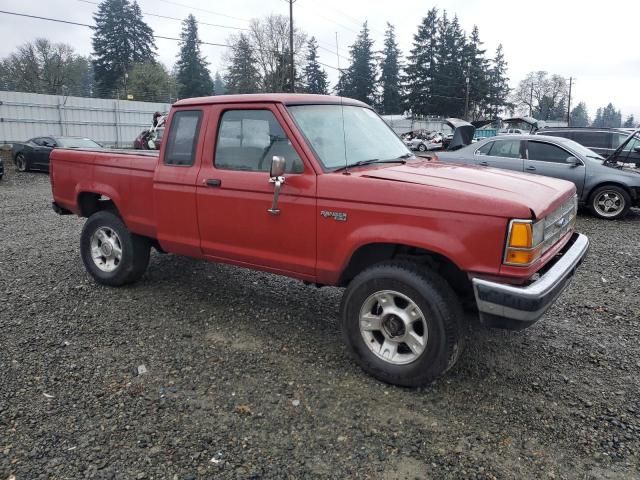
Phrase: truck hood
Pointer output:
(532, 193)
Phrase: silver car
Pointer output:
(607, 189)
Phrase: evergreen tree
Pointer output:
(608, 117)
(498, 88)
(630, 122)
(478, 74)
(579, 116)
(360, 81)
(314, 77)
(194, 79)
(143, 45)
(120, 39)
(219, 88)
(391, 102)
(421, 68)
(450, 87)
(242, 75)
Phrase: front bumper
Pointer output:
(512, 306)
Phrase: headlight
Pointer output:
(524, 242)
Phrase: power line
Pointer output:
(203, 10)
(68, 22)
(175, 18)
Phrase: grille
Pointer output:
(560, 222)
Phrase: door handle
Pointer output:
(213, 182)
(484, 164)
(530, 168)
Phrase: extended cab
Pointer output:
(320, 189)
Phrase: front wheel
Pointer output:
(610, 202)
(422, 147)
(402, 323)
(111, 253)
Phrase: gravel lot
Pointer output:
(246, 375)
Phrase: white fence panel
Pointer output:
(111, 122)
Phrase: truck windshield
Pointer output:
(365, 134)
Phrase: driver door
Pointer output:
(234, 193)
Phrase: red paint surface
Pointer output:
(459, 212)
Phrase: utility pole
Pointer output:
(531, 101)
(569, 103)
(292, 72)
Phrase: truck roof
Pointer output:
(284, 98)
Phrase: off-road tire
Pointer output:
(441, 308)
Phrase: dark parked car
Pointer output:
(603, 141)
(34, 153)
(606, 188)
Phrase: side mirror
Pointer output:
(278, 166)
(573, 161)
(636, 148)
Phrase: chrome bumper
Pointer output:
(499, 301)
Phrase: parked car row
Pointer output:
(605, 187)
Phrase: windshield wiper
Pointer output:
(371, 161)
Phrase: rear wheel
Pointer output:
(21, 163)
(111, 253)
(610, 202)
(402, 323)
(422, 147)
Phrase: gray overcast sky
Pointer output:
(595, 42)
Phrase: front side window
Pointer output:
(485, 149)
(545, 152)
(183, 138)
(342, 135)
(249, 139)
(506, 148)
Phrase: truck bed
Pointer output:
(125, 176)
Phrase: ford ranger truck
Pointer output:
(320, 189)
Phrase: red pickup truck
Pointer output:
(319, 188)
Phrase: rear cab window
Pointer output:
(182, 139)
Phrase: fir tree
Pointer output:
(121, 38)
(219, 88)
(579, 116)
(630, 122)
(608, 117)
(242, 75)
(391, 102)
(194, 79)
(360, 80)
(498, 88)
(142, 43)
(450, 71)
(314, 77)
(477, 72)
(420, 71)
